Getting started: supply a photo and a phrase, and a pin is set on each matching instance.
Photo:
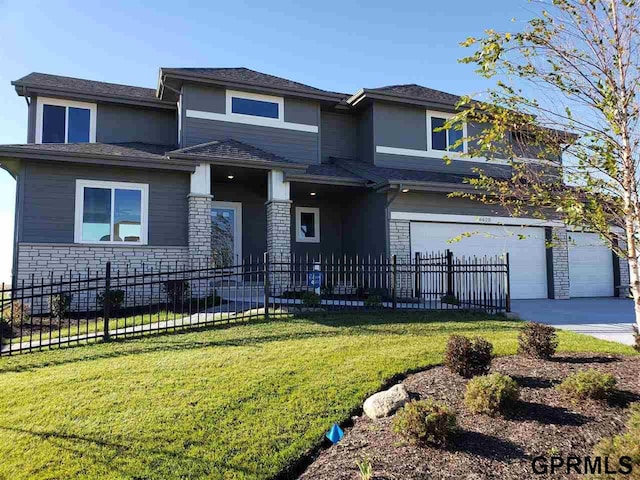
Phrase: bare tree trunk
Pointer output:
(634, 271)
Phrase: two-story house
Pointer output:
(232, 163)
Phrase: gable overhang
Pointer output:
(170, 82)
(29, 90)
(235, 162)
(18, 154)
(365, 96)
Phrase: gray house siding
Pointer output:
(365, 224)
(331, 230)
(206, 99)
(366, 137)
(339, 135)
(300, 111)
(49, 201)
(432, 202)
(120, 124)
(301, 147)
(31, 120)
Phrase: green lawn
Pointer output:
(240, 402)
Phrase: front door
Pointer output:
(226, 233)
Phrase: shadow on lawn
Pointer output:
(342, 324)
(118, 456)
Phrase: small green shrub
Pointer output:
(373, 301)
(623, 445)
(16, 313)
(537, 340)
(177, 291)
(115, 299)
(365, 469)
(588, 384)
(60, 305)
(491, 394)
(425, 422)
(636, 337)
(310, 299)
(468, 357)
(450, 300)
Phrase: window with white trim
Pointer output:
(444, 141)
(111, 212)
(255, 105)
(65, 121)
(307, 225)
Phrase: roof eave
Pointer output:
(364, 94)
(324, 179)
(329, 97)
(25, 89)
(228, 161)
(425, 186)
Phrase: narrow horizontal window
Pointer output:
(257, 108)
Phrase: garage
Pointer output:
(525, 245)
(590, 266)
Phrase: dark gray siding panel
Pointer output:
(297, 146)
(49, 201)
(300, 111)
(254, 218)
(366, 138)
(339, 135)
(31, 120)
(439, 165)
(400, 126)
(331, 233)
(365, 224)
(431, 202)
(204, 99)
(119, 124)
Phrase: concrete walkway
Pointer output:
(605, 318)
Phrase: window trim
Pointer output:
(259, 97)
(57, 102)
(79, 210)
(316, 222)
(444, 153)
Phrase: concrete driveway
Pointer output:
(605, 318)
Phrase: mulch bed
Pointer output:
(543, 423)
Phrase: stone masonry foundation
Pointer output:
(400, 246)
(279, 244)
(560, 261)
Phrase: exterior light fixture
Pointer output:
(405, 190)
(313, 194)
(230, 177)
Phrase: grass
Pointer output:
(242, 402)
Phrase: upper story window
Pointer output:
(255, 105)
(111, 212)
(65, 121)
(444, 141)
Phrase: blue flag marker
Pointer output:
(335, 434)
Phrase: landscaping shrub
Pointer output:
(60, 305)
(365, 469)
(468, 357)
(590, 384)
(425, 421)
(626, 444)
(115, 300)
(177, 291)
(636, 337)
(537, 340)
(491, 394)
(16, 313)
(373, 301)
(450, 300)
(310, 299)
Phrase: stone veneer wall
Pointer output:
(400, 246)
(560, 261)
(279, 243)
(200, 228)
(625, 275)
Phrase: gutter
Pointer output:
(227, 161)
(324, 179)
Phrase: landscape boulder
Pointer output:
(383, 404)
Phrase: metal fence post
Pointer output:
(508, 285)
(394, 279)
(107, 302)
(417, 286)
(449, 272)
(266, 285)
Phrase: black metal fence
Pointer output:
(78, 308)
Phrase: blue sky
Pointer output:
(336, 45)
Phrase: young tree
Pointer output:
(565, 87)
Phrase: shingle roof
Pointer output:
(91, 87)
(331, 170)
(246, 75)
(231, 149)
(142, 150)
(413, 90)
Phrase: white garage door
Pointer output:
(527, 256)
(590, 266)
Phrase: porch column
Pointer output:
(278, 208)
(200, 199)
(559, 263)
(400, 246)
(623, 267)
